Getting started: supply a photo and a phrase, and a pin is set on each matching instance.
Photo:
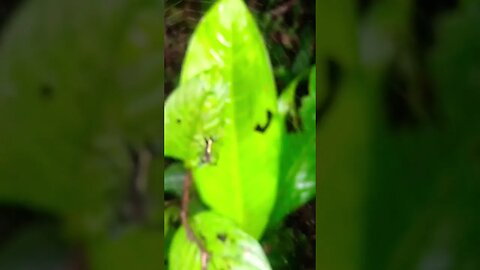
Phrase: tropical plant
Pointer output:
(250, 154)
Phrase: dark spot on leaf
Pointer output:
(222, 237)
(179, 121)
(46, 92)
(264, 128)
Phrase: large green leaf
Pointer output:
(297, 178)
(229, 247)
(242, 184)
(66, 111)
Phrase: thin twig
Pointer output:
(184, 217)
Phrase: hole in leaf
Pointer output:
(222, 237)
(264, 128)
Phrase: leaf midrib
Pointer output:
(237, 174)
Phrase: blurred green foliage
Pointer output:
(80, 102)
(398, 135)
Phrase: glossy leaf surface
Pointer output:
(229, 247)
(242, 183)
(297, 180)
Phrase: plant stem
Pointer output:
(184, 217)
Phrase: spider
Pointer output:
(207, 157)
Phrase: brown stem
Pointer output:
(184, 217)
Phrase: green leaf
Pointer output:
(229, 247)
(297, 178)
(170, 215)
(242, 184)
(173, 179)
(171, 221)
(312, 82)
(194, 112)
